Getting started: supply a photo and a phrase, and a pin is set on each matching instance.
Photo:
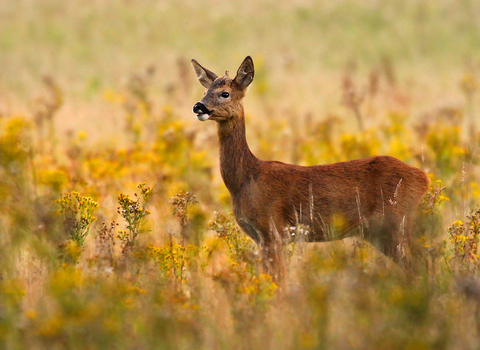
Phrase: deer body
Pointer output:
(376, 196)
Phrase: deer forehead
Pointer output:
(223, 84)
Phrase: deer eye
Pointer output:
(225, 94)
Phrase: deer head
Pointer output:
(223, 96)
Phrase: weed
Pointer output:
(242, 250)
(464, 238)
(185, 283)
(77, 214)
(105, 244)
(182, 203)
(134, 213)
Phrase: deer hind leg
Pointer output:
(391, 235)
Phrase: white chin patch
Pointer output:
(203, 117)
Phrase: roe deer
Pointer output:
(375, 196)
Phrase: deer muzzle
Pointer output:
(203, 113)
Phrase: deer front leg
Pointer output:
(271, 245)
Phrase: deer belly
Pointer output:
(324, 226)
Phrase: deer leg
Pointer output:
(391, 235)
(270, 245)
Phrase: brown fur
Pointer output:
(376, 197)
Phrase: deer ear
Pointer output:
(245, 73)
(205, 76)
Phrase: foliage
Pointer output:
(240, 246)
(182, 203)
(77, 215)
(434, 197)
(193, 280)
(134, 213)
(463, 242)
(202, 285)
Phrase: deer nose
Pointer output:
(200, 108)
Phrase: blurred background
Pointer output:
(96, 98)
(302, 50)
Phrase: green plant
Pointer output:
(434, 197)
(182, 202)
(105, 244)
(175, 260)
(134, 213)
(242, 250)
(77, 214)
(464, 238)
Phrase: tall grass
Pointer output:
(92, 257)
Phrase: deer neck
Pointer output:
(237, 162)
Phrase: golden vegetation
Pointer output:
(116, 232)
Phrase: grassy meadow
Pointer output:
(116, 229)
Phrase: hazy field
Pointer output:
(96, 98)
